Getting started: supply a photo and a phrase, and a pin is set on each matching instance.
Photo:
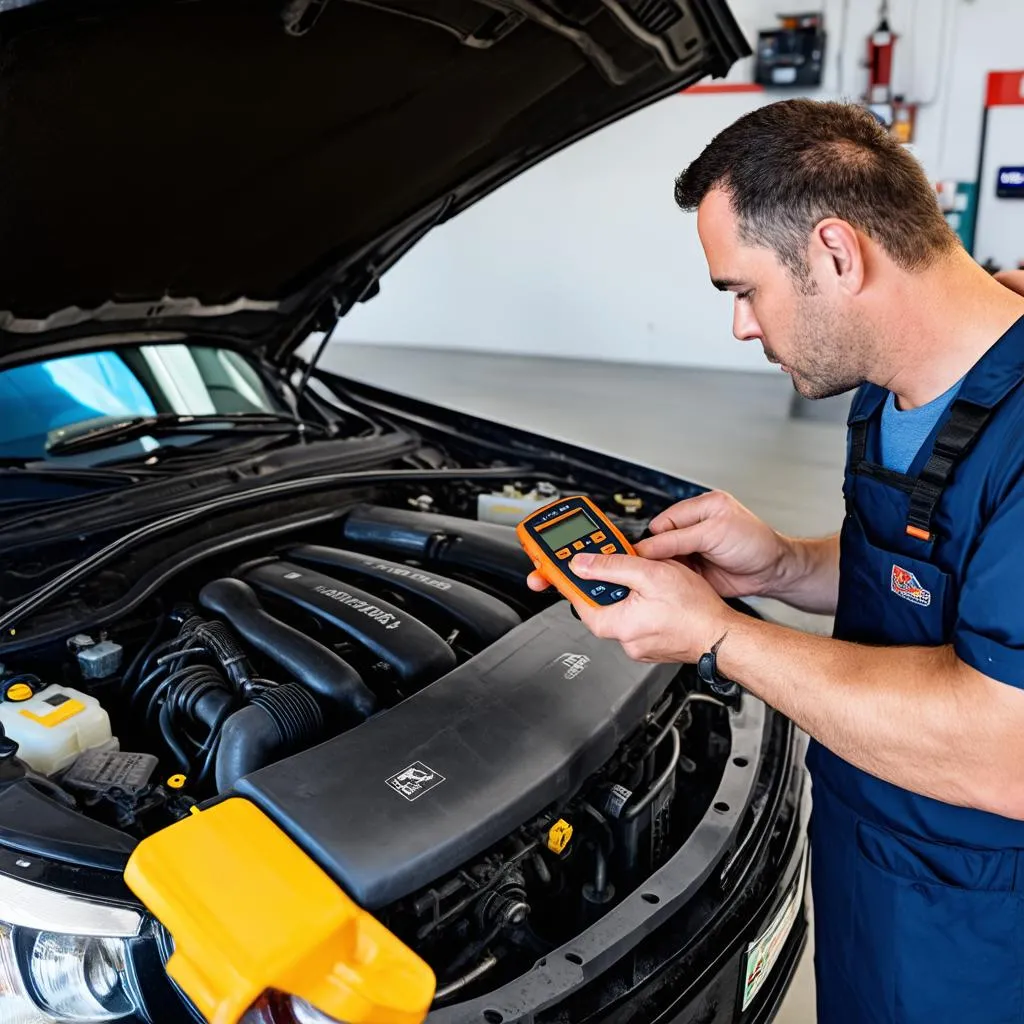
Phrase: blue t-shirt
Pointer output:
(904, 430)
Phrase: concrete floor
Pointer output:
(740, 432)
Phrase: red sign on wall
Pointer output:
(1005, 89)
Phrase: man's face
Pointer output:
(800, 324)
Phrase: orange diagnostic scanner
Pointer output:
(552, 535)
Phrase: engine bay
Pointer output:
(458, 752)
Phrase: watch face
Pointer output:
(706, 668)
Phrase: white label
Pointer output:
(764, 952)
(574, 664)
(414, 781)
(783, 76)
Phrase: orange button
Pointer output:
(578, 545)
(598, 537)
(609, 549)
(564, 553)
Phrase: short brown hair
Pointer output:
(789, 165)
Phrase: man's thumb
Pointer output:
(626, 570)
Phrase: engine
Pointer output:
(461, 755)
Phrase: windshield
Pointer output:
(39, 398)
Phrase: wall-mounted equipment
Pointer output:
(792, 54)
(881, 44)
(999, 233)
(1010, 183)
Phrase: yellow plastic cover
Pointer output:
(249, 911)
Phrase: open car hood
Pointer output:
(249, 168)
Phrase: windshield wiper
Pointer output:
(85, 437)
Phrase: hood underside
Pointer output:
(236, 166)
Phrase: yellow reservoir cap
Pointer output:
(19, 691)
(249, 911)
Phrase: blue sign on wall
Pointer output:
(1010, 183)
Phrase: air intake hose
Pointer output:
(217, 638)
(321, 671)
(277, 722)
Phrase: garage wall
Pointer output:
(587, 256)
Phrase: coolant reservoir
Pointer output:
(52, 726)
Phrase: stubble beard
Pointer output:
(831, 351)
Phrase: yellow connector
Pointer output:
(559, 836)
(249, 911)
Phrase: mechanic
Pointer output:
(828, 235)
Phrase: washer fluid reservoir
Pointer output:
(53, 725)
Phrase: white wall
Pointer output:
(587, 256)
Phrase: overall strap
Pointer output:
(966, 421)
(867, 401)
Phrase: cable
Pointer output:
(690, 698)
(947, 85)
(844, 23)
(659, 783)
(142, 651)
(944, 55)
(212, 743)
(460, 983)
(167, 731)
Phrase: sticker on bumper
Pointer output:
(763, 953)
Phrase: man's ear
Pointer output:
(835, 255)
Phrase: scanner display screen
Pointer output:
(575, 527)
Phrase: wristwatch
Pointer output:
(707, 670)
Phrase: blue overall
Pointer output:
(919, 904)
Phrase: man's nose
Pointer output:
(744, 324)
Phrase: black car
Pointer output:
(228, 578)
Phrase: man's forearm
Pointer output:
(914, 716)
(809, 575)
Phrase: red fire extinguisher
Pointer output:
(881, 43)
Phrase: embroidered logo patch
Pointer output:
(906, 585)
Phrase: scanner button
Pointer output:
(598, 537)
(618, 594)
(578, 545)
(564, 553)
(609, 549)
(598, 590)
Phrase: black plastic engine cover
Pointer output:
(484, 616)
(388, 807)
(413, 649)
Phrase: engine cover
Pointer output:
(388, 807)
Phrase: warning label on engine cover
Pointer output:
(414, 781)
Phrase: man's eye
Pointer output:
(743, 296)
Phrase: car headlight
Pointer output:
(63, 958)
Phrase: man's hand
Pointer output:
(671, 614)
(716, 537)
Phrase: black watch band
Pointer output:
(707, 669)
